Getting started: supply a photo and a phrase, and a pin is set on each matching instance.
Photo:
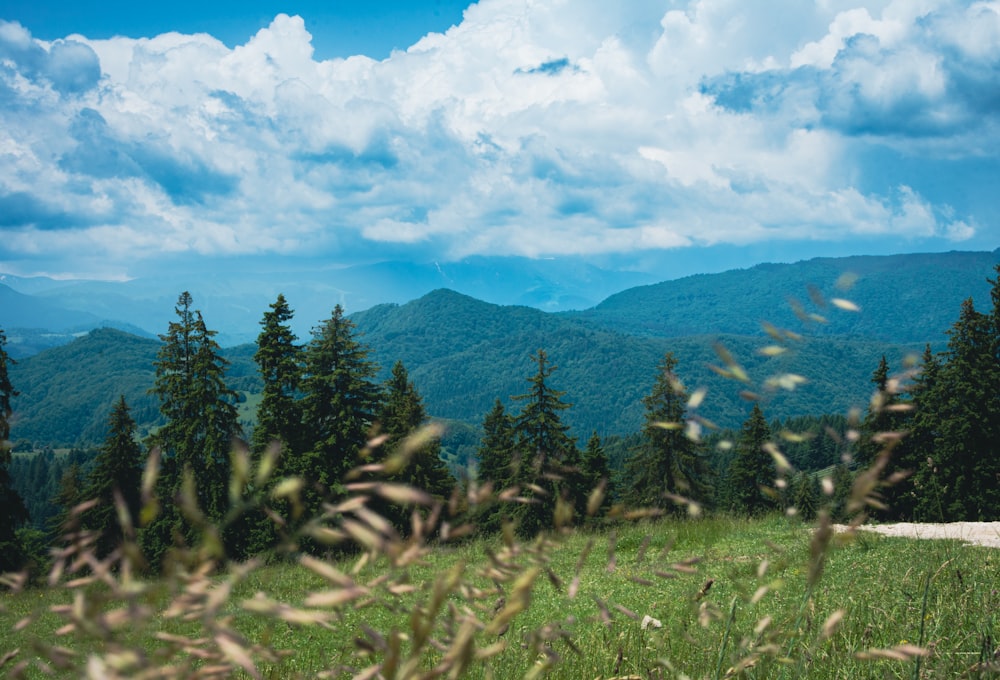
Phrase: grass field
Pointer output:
(733, 595)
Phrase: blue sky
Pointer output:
(620, 133)
(340, 28)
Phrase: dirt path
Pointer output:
(978, 533)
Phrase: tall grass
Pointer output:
(729, 596)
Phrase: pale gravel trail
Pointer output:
(978, 533)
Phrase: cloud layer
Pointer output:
(536, 128)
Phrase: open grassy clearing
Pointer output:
(585, 594)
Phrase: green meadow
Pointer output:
(761, 598)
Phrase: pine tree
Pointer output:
(752, 469)
(279, 360)
(339, 406)
(544, 446)
(118, 467)
(843, 481)
(401, 414)
(496, 450)
(69, 495)
(669, 461)
(201, 424)
(805, 496)
(7, 394)
(279, 423)
(496, 463)
(878, 418)
(966, 453)
(13, 512)
(596, 471)
(919, 496)
(955, 441)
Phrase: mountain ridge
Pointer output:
(923, 290)
(235, 299)
(667, 307)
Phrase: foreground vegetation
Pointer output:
(732, 595)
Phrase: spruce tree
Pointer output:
(805, 495)
(496, 450)
(843, 482)
(989, 465)
(574, 486)
(68, 496)
(497, 464)
(13, 512)
(919, 496)
(669, 461)
(279, 360)
(219, 418)
(596, 471)
(118, 467)
(878, 418)
(752, 468)
(966, 454)
(339, 406)
(955, 440)
(401, 414)
(201, 425)
(883, 418)
(544, 447)
(402, 410)
(7, 394)
(278, 423)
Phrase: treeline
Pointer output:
(38, 475)
(935, 432)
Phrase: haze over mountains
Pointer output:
(40, 312)
(234, 300)
(463, 352)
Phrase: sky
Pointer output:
(615, 132)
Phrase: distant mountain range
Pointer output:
(912, 294)
(463, 352)
(40, 312)
(902, 298)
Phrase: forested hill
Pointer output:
(463, 353)
(903, 298)
(66, 393)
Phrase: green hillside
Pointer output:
(463, 353)
(903, 298)
(67, 392)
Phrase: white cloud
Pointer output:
(959, 231)
(534, 127)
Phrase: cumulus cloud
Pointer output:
(531, 128)
(67, 66)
